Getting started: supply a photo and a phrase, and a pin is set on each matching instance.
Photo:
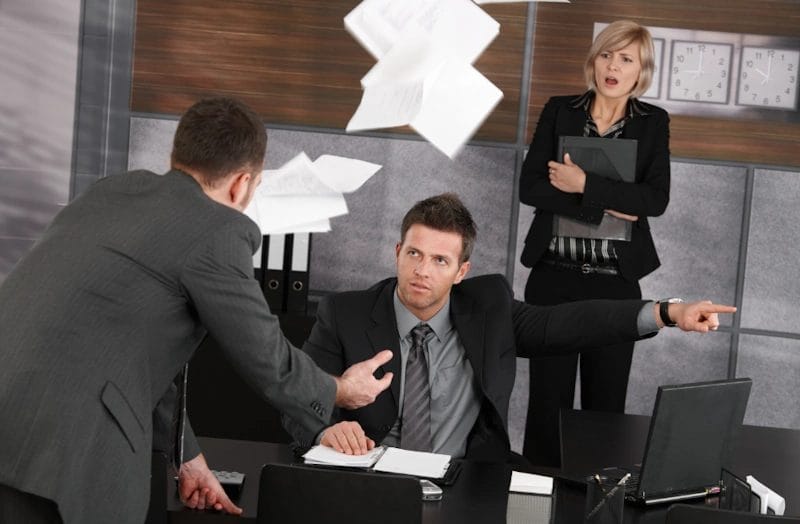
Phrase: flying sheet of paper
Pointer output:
(456, 101)
(459, 25)
(424, 78)
(343, 174)
(518, 1)
(302, 195)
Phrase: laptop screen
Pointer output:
(691, 432)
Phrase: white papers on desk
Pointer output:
(417, 463)
(424, 77)
(530, 483)
(384, 458)
(323, 455)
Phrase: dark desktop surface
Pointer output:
(592, 441)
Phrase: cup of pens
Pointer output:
(605, 499)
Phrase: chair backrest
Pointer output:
(687, 514)
(298, 494)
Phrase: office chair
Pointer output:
(686, 514)
(291, 494)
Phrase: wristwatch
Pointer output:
(663, 310)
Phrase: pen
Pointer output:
(608, 496)
(599, 483)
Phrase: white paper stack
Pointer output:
(384, 458)
(424, 76)
(324, 455)
(530, 483)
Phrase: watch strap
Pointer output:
(663, 312)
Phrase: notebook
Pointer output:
(614, 159)
(691, 434)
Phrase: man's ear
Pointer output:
(462, 272)
(239, 186)
(397, 249)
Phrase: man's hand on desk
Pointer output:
(358, 387)
(347, 437)
(200, 489)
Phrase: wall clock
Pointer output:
(700, 71)
(768, 77)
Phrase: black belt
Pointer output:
(586, 269)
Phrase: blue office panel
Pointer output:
(518, 405)
(698, 237)
(772, 275)
(360, 248)
(773, 364)
(674, 357)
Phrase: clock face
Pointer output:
(654, 91)
(768, 77)
(700, 71)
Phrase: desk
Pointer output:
(590, 441)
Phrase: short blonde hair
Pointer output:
(616, 36)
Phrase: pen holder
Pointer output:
(605, 500)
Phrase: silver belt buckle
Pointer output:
(586, 269)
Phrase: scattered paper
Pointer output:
(424, 76)
(530, 483)
(301, 196)
(518, 1)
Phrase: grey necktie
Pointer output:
(416, 429)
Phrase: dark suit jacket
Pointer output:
(649, 196)
(494, 329)
(101, 315)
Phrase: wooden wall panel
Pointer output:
(291, 60)
(563, 34)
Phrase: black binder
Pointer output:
(274, 284)
(297, 287)
(612, 158)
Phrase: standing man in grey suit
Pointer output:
(452, 396)
(102, 314)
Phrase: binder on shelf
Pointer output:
(614, 159)
(297, 288)
(274, 275)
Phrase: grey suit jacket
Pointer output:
(100, 316)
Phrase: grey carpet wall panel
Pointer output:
(774, 365)
(698, 237)
(360, 248)
(772, 274)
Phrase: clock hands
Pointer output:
(767, 74)
(699, 71)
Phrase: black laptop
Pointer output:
(691, 433)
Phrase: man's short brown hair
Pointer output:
(443, 212)
(218, 136)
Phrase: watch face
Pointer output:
(700, 71)
(768, 77)
(654, 91)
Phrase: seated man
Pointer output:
(455, 341)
